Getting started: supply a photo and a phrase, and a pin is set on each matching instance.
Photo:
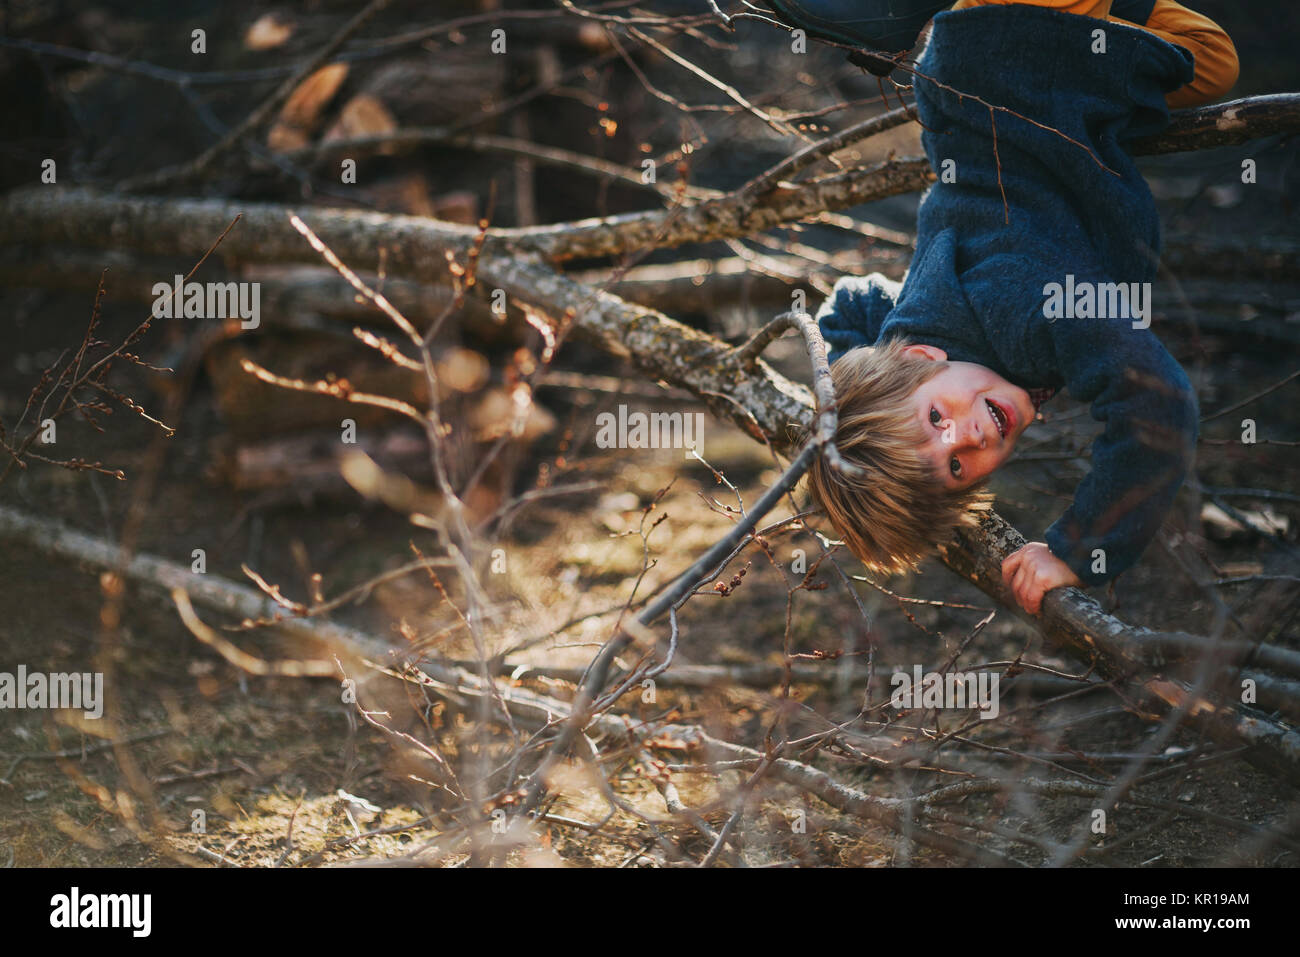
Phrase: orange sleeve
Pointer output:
(1216, 57)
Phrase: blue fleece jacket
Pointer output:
(977, 286)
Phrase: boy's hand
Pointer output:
(1032, 571)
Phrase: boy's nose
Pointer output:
(969, 438)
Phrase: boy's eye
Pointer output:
(935, 417)
(954, 466)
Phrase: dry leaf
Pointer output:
(304, 105)
(268, 32)
(363, 115)
(302, 112)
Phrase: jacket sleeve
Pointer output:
(1213, 53)
(1143, 398)
(855, 311)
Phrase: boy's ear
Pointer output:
(921, 350)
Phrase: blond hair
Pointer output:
(898, 511)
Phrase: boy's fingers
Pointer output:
(1019, 584)
(1022, 579)
(1011, 563)
(1029, 591)
(1033, 598)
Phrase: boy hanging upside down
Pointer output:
(1034, 256)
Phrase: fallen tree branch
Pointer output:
(815, 152)
(1075, 622)
(1225, 124)
(417, 241)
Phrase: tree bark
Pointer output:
(1225, 124)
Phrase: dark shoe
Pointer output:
(882, 28)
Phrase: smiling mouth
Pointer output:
(999, 417)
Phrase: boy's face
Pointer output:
(971, 416)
